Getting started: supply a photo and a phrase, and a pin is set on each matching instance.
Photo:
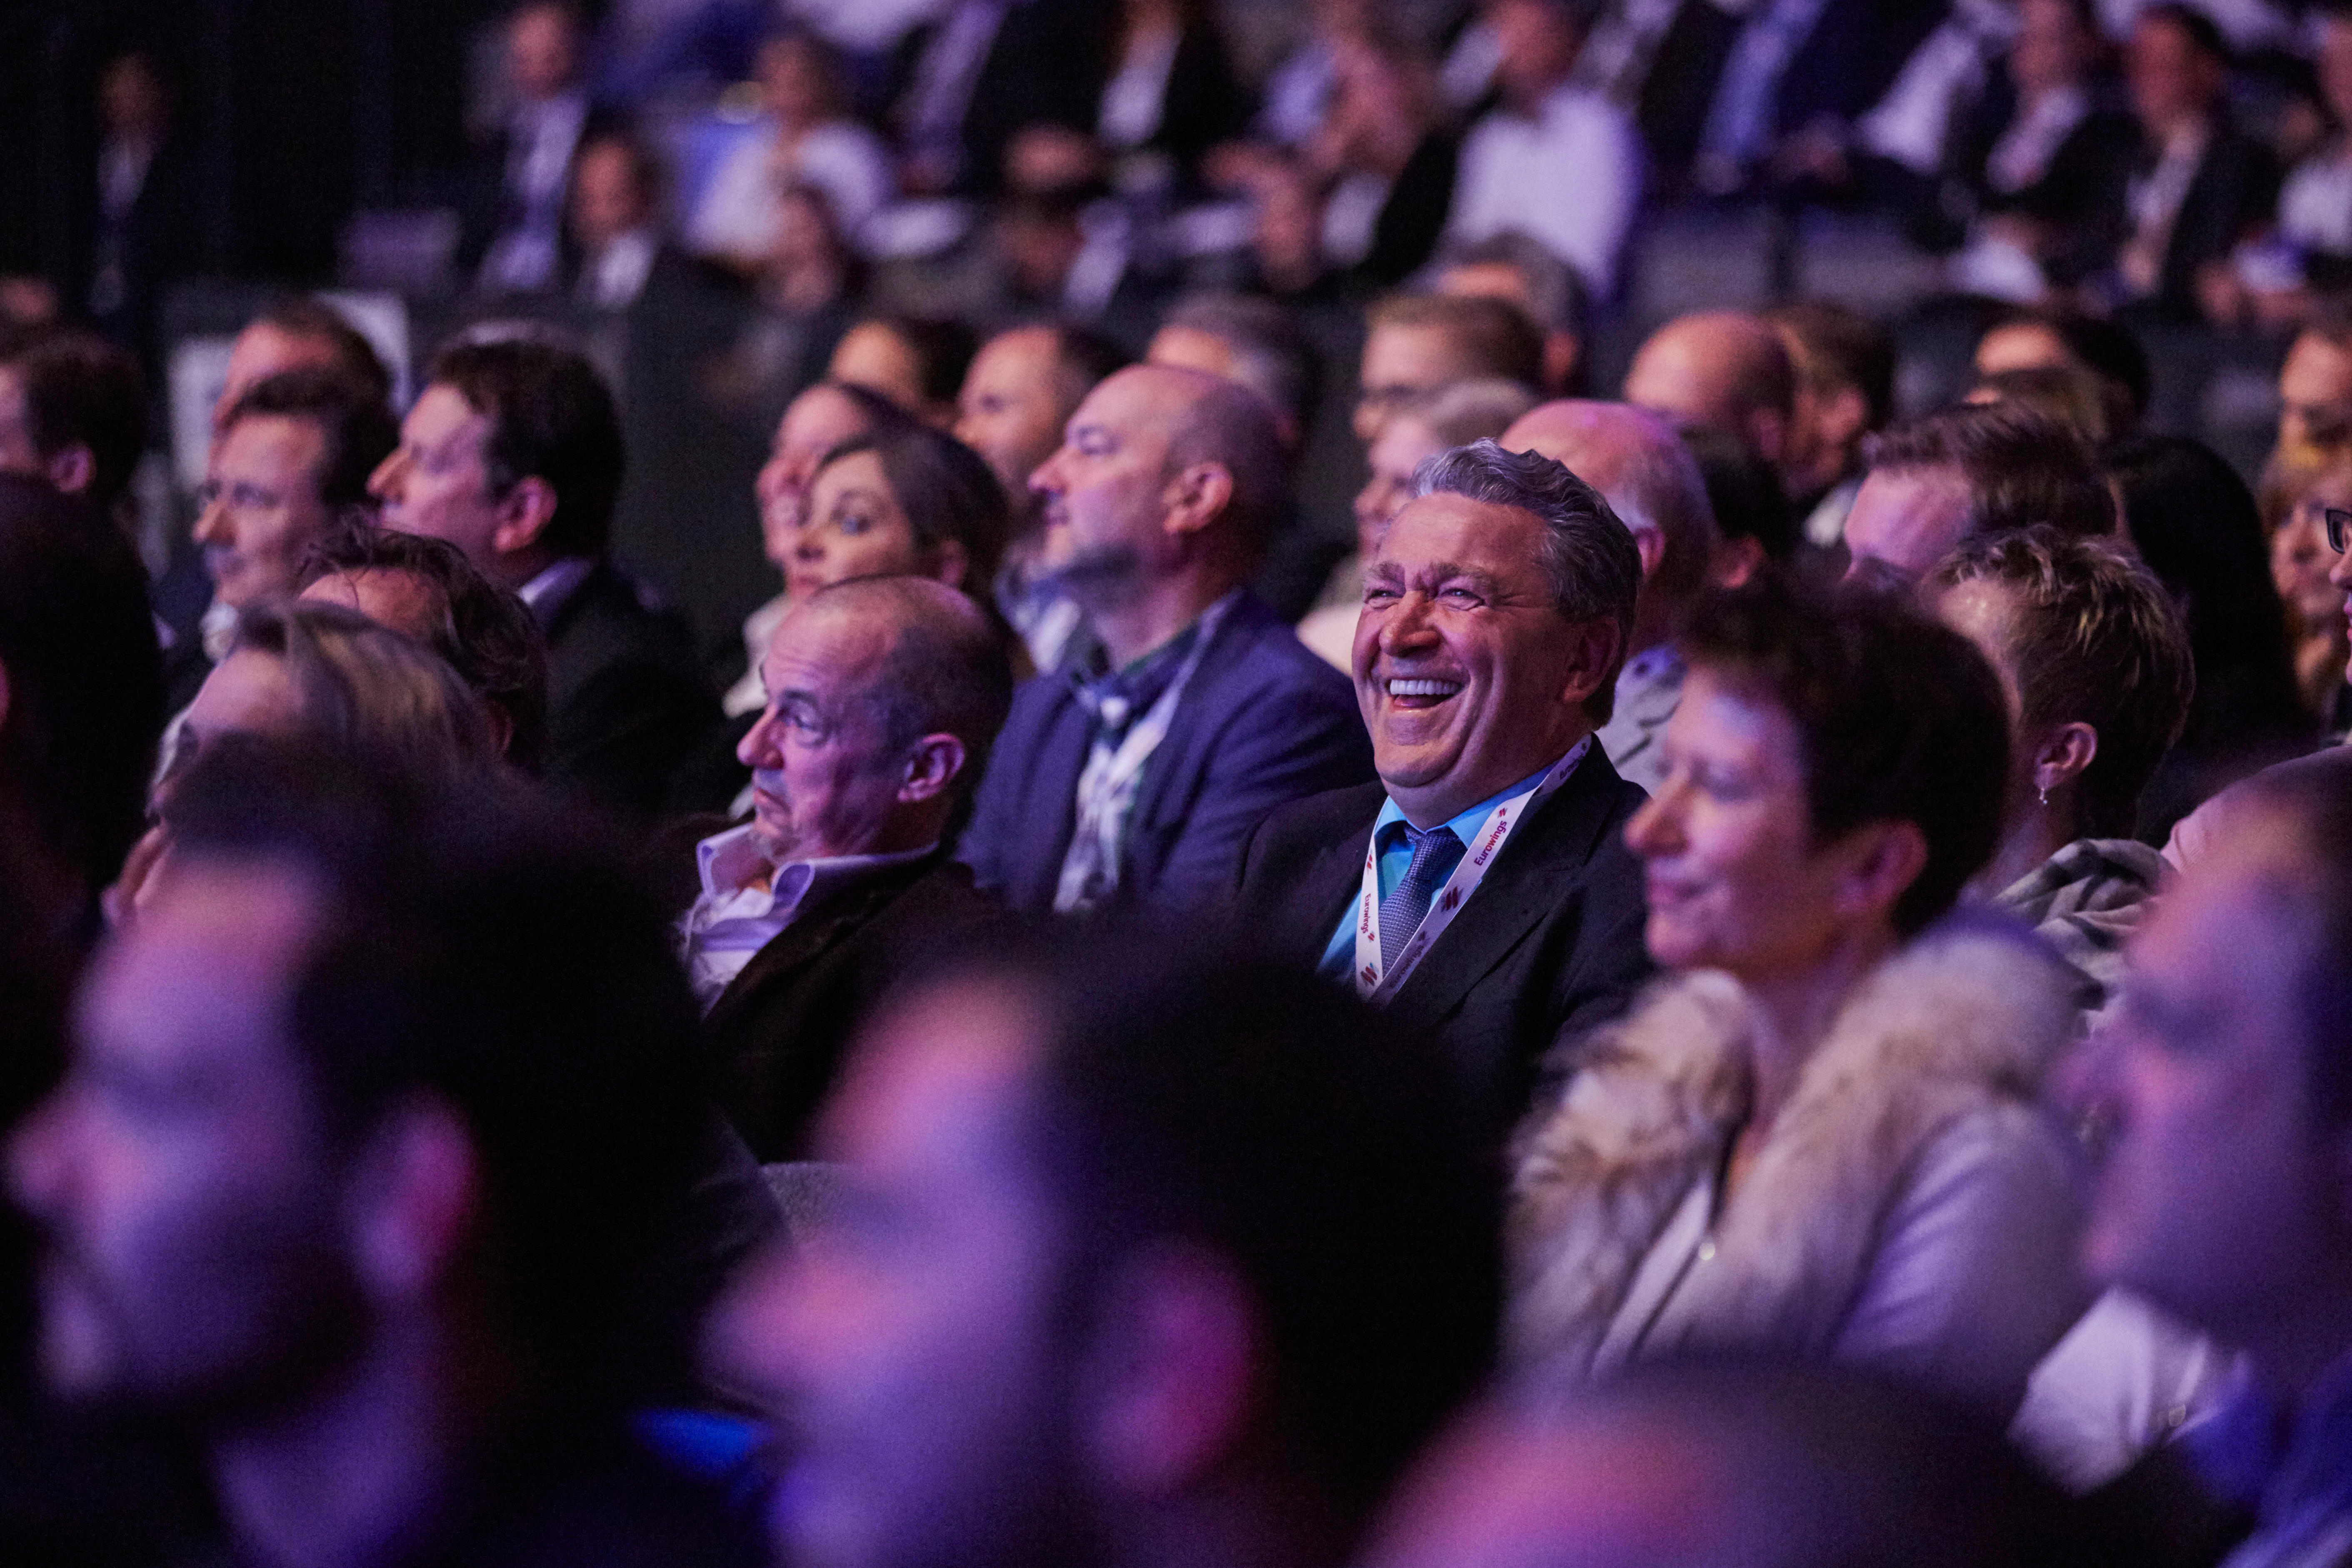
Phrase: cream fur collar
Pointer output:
(1968, 1016)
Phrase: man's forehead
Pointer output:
(1456, 528)
(823, 643)
(1140, 399)
(266, 348)
(1414, 345)
(442, 414)
(1018, 359)
(270, 440)
(2319, 368)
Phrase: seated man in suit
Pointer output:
(1137, 784)
(1482, 890)
(513, 455)
(884, 696)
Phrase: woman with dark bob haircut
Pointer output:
(1818, 1135)
(901, 500)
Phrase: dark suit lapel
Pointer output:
(814, 932)
(1179, 755)
(1526, 884)
(1324, 886)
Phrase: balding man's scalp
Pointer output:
(1633, 457)
(948, 669)
(1213, 420)
(1725, 368)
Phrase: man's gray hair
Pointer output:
(1588, 551)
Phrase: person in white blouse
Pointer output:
(1556, 159)
(805, 137)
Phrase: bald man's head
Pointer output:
(1724, 368)
(942, 665)
(1728, 1465)
(1160, 470)
(1633, 457)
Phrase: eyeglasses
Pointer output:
(2337, 520)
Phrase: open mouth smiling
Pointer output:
(1423, 692)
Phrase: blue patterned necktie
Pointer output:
(1434, 855)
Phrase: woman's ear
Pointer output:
(2064, 755)
(952, 563)
(1882, 861)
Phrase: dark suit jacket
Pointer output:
(2233, 193)
(627, 699)
(1550, 945)
(1264, 721)
(778, 1034)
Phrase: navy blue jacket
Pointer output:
(1263, 723)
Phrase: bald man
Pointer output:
(1633, 457)
(1136, 782)
(840, 883)
(1725, 1464)
(1722, 368)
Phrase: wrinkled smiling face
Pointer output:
(1466, 674)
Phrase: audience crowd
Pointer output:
(1738, 974)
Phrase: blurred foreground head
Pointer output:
(1728, 1465)
(1136, 1255)
(381, 1104)
(2224, 1087)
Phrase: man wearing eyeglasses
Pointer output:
(1416, 343)
(291, 462)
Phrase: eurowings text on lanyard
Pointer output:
(1379, 985)
(1107, 786)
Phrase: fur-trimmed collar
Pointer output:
(1970, 1015)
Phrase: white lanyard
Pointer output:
(1107, 784)
(1380, 985)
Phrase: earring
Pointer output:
(2045, 799)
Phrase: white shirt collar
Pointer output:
(727, 862)
(545, 594)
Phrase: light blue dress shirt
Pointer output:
(1396, 854)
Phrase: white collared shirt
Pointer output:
(1567, 178)
(731, 920)
(545, 594)
(614, 276)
